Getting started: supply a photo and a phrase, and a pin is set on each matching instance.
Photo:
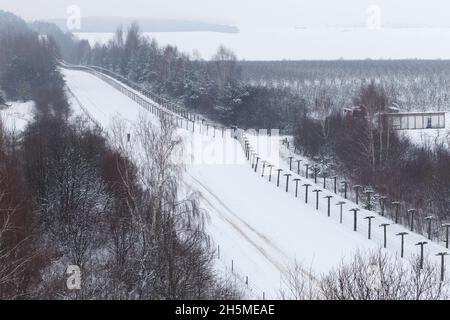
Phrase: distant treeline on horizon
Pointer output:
(110, 24)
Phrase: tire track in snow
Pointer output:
(259, 234)
(280, 267)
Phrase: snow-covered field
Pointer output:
(262, 229)
(311, 43)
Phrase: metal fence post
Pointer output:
(298, 166)
(278, 177)
(369, 230)
(355, 218)
(402, 235)
(317, 191)
(442, 254)
(421, 244)
(335, 184)
(307, 170)
(287, 175)
(270, 171)
(340, 203)
(385, 225)
(446, 226)
(397, 210)
(411, 214)
(325, 179)
(345, 183)
(306, 185)
(296, 186)
(429, 220)
(290, 163)
(329, 203)
(382, 200)
(357, 188)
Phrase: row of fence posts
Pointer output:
(234, 272)
(253, 157)
(188, 117)
(85, 110)
(182, 118)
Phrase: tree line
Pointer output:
(69, 196)
(370, 153)
(214, 88)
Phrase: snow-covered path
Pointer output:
(260, 228)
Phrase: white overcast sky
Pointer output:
(271, 13)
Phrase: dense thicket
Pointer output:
(28, 69)
(365, 150)
(413, 84)
(213, 88)
(368, 276)
(68, 197)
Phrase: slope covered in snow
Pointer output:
(260, 228)
(16, 116)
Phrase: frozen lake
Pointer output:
(311, 43)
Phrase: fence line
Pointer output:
(185, 120)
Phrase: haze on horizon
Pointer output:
(267, 13)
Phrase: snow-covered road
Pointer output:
(260, 228)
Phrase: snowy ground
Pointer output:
(17, 115)
(262, 229)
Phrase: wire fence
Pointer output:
(313, 171)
